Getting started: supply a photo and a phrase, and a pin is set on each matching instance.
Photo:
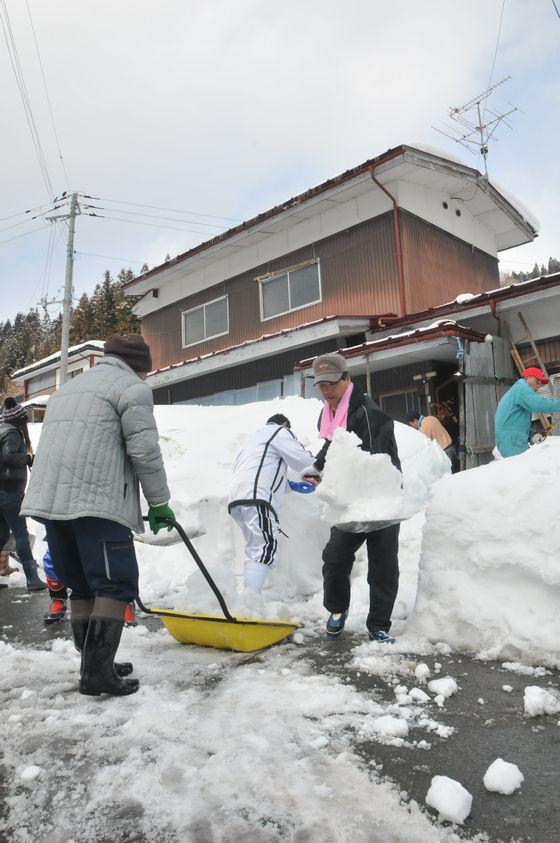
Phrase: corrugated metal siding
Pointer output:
(239, 377)
(358, 276)
(438, 266)
(549, 351)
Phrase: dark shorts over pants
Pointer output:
(94, 557)
(383, 572)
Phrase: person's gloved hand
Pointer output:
(157, 516)
(30, 460)
(311, 475)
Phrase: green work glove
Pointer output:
(157, 516)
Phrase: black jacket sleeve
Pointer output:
(11, 453)
(322, 456)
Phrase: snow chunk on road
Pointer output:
(538, 701)
(445, 687)
(393, 727)
(31, 773)
(422, 672)
(450, 799)
(524, 669)
(503, 777)
(489, 581)
(419, 696)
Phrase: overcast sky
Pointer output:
(226, 107)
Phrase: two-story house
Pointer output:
(410, 229)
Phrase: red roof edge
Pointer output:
(420, 335)
(521, 288)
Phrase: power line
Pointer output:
(497, 43)
(47, 95)
(556, 8)
(152, 216)
(20, 81)
(48, 262)
(27, 233)
(160, 208)
(140, 222)
(108, 257)
(28, 211)
(21, 222)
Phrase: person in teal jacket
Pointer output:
(513, 416)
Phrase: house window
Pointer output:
(74, 373)
(292, 290)
(398, 404)
(46, 380)
(205, 322)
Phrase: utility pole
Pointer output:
(68, 289)
(67, 300)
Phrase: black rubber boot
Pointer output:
(79, 632)
(98, 674)
(34, 581)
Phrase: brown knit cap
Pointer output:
(132, 349)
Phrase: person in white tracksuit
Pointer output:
(257, 492)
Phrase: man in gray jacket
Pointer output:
(99, 441)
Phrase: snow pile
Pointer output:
(359, 488)
(450, 799)
(199, 446)
(503, 777)
(489, 577)
(538, 701)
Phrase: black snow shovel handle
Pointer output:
(202, 567)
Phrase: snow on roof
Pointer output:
(466, 300)
(518, 205)
(441, 327)
(52, 358)
(436, 151)
(38, 401)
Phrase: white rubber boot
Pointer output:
(255, 578)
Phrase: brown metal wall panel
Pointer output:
(358, 276)
(438, 266)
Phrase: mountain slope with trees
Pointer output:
(33, 335)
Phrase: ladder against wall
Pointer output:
(488, 373)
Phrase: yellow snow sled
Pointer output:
(225, 633)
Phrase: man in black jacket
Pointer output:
(376, 432)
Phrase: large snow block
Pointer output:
(489, 578)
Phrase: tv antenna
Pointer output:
(475, 133)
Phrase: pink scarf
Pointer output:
(330, 421)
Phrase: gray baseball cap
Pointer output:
(329, 367)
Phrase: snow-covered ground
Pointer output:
(219, 746)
